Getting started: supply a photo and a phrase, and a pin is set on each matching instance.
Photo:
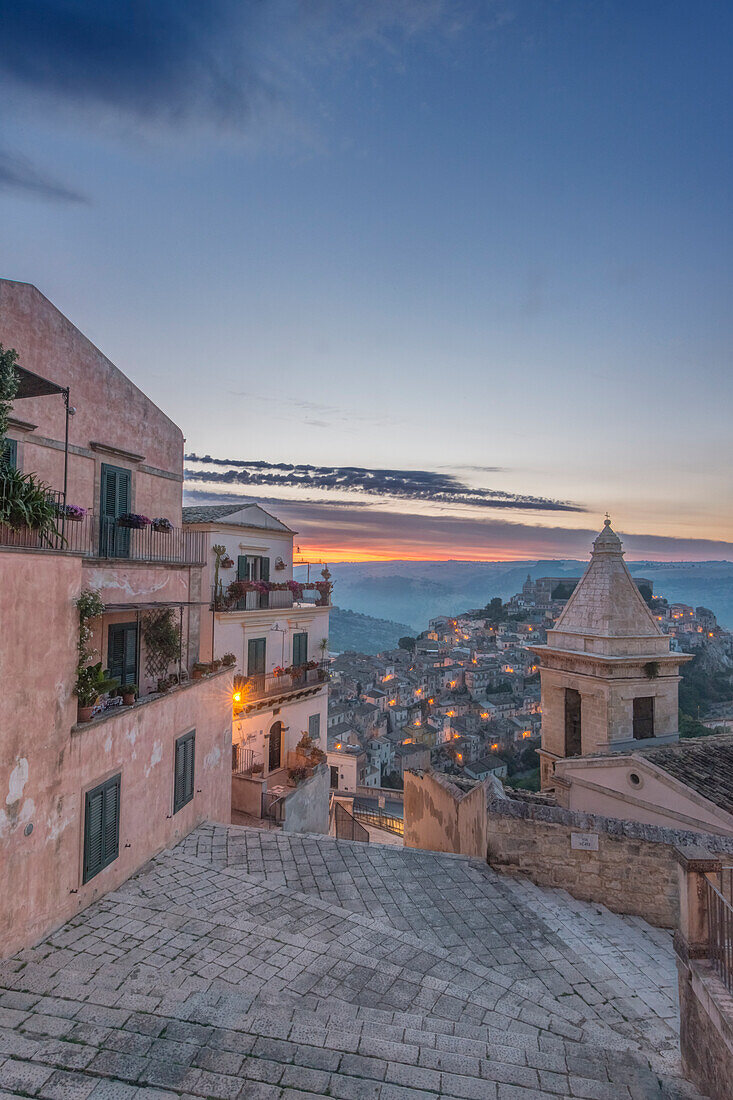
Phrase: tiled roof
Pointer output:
(240, 515)
(703, 763)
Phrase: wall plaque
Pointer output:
(585, 842)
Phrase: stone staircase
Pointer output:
(263, 966)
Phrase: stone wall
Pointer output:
(706, 1030)
(627, 866)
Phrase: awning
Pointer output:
(32, 385)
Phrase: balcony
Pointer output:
(105, 539)
(256, 692)
(244, 596)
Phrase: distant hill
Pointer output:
(350, 630)
(413, 592)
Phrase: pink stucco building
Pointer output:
(82, 805)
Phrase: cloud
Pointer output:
(181, 62)
(413, 485)
(18, 174)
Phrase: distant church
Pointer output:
(610, 736)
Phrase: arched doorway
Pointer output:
(276, 744)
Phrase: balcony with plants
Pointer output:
(253, 692)
(152, 662)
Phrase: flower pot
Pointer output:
(197, 674)
(84, 714)
(128, 700)
(161, 529)
(72, 519)
(215, 666)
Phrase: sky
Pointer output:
(430, 279)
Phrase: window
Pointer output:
(644, 717)
(101, 827)
(334, 778)
(300, 649)
(253, 568)
(314, 727)
(573, 739)
(122, 652)
(10, 453)
(183, 769)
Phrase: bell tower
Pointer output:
(608, 677)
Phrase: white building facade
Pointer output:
(276, 631)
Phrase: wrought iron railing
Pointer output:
(252, 689)
(277, 600)
(106, 539)
(347, 827)
(720, 929)
(174, 546)
(242, 759)
(379, 819)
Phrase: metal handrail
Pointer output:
(381, 820)
(720, 933)
(347, 827)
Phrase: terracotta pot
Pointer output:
(197, 674)
(128, 700)
(84, 714)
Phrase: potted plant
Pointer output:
(72, 512)
(227, 562)
(216, 664)
(163, 685)
(200, 669)
(133, 520)
(228, 660)
(129, 693)
(160, 523)
(91, 682)
(258, 767)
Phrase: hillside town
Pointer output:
(464, 696)
(229, 852)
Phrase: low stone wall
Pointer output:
(443, 816)
(625, 865)
(306, 807)
(706, 1030)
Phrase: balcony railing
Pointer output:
(720, 925)
(276, 600)
(255, 689)
(95, 538)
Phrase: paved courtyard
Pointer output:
(255, 965)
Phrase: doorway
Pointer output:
(276, 744)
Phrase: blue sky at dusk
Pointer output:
(482, 250)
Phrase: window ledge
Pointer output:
(155, 697)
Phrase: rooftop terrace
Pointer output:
(262, 966)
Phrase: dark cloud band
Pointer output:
(416, 485)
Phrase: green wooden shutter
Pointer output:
(242, 568)
(300, 649)
(116, 499)
(314, 727)
(122, 652)
(183, 770)
(10, 453)
(256, 654)
(264, 569)
(101, 827)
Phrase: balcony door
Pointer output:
(300, 649)
(114, 541)
(256, 657)
(122, 652)
(253, 568)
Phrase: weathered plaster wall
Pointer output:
(442, 818)
(234, 629)
(602, 786)
(45, 767)
(253, 730)
(306, 808)
(706, 1030)
(110, 410)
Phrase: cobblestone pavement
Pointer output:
(255, 965)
